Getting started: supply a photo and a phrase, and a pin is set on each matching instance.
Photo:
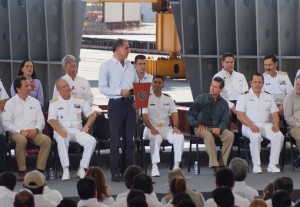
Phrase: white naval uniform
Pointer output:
(3, 96)
(258, 110)
(278, 86)
(159, 109)
(80, 86)
(68, 114)
(235, 85)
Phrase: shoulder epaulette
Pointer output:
(77, 96)
(166, 94)
(282, 73)
(267, 92)
(53, 100)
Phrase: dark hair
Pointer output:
(117, 43)
(66, 202)
(179, 197)
(86, 188)
(130, 173)
(186, 203)
(8, 179)
(177, 185)
(227, 55)
(281, 198)
(257, 74)
(24, 198)
(143, 182)
(35, 191)
(239, 168)
(223, 196)
(219, 80)
(135, 193)
(268, 191)
(159, 77)
(137, 202)
(224, 177)
(284, 183)
(17, 82)
(272, 57)
(139, 57)
(33, 76)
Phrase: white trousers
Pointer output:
(84, 139)
(155, 140)
(265, 130)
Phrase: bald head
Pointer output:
(24, 198)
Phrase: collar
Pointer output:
(227, 73)
(69, 77)
(212, 99)
(19, 98)
(114, 60)
(267, 74)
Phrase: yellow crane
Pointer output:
(166, 40)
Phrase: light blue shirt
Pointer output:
(146, 79)
(113, 77)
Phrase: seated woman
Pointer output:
(27, 70)
(103, 194)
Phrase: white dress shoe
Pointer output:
(273, 168)
(257, 169)
(66, 175)
(155, 172)
(81, 172)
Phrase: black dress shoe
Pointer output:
(117, 178)
(297, 162)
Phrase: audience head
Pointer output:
(21, 85)
(69, 65)
(284, 183)
(179, 197)
(186, 203)
(66, 202)
(239, 168)
(130, 173)
(27, 69)
(224, 177)
(223, 196)
(220, 82)
(143, 182)
(268, 191)
(8, 180)
(177, 185)
(135, 193)
(137, 202)
(98, 175)
(35, 182)
(258, 203)
(281, 198)
(228, 62)
(24, 198)
(86, 188)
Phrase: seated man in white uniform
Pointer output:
(65, 118)
(276, 83)
(253, 110)
(157, 121)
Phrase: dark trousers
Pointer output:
(121, 116)
(2, 153)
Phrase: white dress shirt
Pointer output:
(22, 115)
(52, 195)
(244, 190)
(7, 197)
(79, 86)
(92, 202)
(113, 77)
(3, 96)
(235, 85)
(41, 201)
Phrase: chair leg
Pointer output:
(283, 155)
(197, 149)
(292, 153)
(190, 156)
(172, 158)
